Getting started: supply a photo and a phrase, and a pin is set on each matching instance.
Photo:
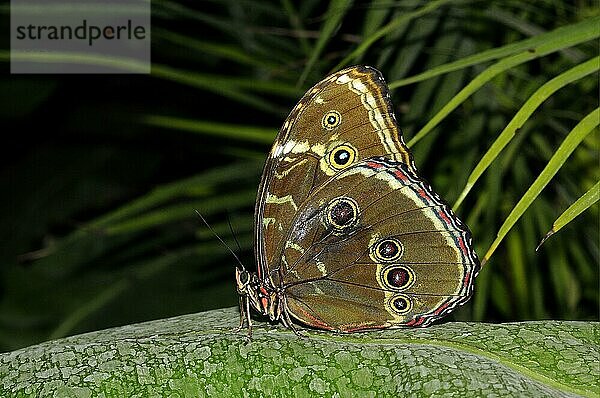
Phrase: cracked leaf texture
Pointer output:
(199, 355)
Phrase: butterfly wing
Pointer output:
(376, 247)
(345, 118)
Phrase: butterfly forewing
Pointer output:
(345, 118)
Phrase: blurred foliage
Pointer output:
(102, 174)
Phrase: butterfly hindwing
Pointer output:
(376, 247)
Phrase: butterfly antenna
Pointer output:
(220, 240)
(237, 243)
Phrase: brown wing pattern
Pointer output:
(376, 247)
(345, 118)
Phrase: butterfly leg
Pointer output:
(248, 319)
(287, 320)
(244, 316)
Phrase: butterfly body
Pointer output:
(347, 236)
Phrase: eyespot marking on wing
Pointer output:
(400, 304)
(386, 250)
(341, 156)
(342, 214)
(331, 120)
(398, 277)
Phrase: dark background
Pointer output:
(97, 222)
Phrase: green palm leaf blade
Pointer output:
(579, 132)
(222, 86)
(335, 14)
(587, 26)
(151, 210)
(199, 355)
(232, 201)
(124, 64)
(579, 206)
(198, 186)
(220, 50)
(261, 135)
(375, 16)
(367, 42)
(296, 23)
(227, 87)
(536, 99)
(545, 48)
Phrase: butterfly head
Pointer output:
(243, 279)
(262, 298)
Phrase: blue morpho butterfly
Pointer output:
(348, 237)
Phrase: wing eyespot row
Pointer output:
(386, 253)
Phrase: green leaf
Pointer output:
(229, 87)
(124, 64)
(204, 47)
(90, 240)
(296, 23)
(198, 186)
(367, 42)
(225, 86)
(578, 207)
(587, 27)
(199, 355)
(536, 99)
(177, 212)
(579, 132)
(497, 68)
(261, 135)
(335, 14)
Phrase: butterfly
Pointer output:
(348, 237)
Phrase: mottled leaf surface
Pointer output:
(199, 355)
